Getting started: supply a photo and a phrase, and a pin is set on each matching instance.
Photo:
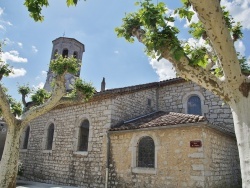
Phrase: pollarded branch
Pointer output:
(5, 108)
(196, 74)
(210, 14)
(58, 92)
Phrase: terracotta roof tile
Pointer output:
(158, 119)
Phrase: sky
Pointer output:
(29, 44)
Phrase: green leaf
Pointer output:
(178, 54)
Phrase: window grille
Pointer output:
(146, 153)
(50, 136)
(194, 105)
(26, 138)
(83, 136)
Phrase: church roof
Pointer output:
(135, 88)
(67, 38)
(158, 119)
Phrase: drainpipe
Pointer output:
(107, 160)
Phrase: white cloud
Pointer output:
(240, 11)
(194, 43)
(34, 49)
(43, 75)
(163, 68)
(116, 52)
(248, 61)
(8, 23)
(2, 21)
(240, 47)
(17, 72)
(194, 18)
(1, 11)
(20, 44)
(8, 41)
(170, 12)
(13, 56)
(39, 86)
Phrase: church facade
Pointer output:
(172, 133)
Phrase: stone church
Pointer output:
(171, 133)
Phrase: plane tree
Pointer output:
(18, 115)
(215, 65)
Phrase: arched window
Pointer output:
(194, 105)
(75, 55)
(55, 52)
(146, 153)
(50, 135)
(83, 136)
(65, 53)
(26, 137)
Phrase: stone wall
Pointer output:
(174, 98)
(222, 165)
(132, 105)
(64, 164)
(177, 164)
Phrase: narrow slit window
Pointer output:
(83, 136)
(50, 136)
(26, 137)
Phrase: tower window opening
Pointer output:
(65, 53)
(75, 55)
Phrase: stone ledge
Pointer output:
(81, 153)
(144, 170)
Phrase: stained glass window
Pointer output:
(194, 105)
(146, 153)
(83, 136)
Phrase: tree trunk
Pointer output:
(241, 116)
(9, 162)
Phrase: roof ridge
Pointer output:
(143, 86)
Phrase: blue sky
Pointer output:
(92, 22)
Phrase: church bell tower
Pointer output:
(66, 47)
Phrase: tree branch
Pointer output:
(196, 74)
(5, 107)
(58, 92)
(212, 18)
